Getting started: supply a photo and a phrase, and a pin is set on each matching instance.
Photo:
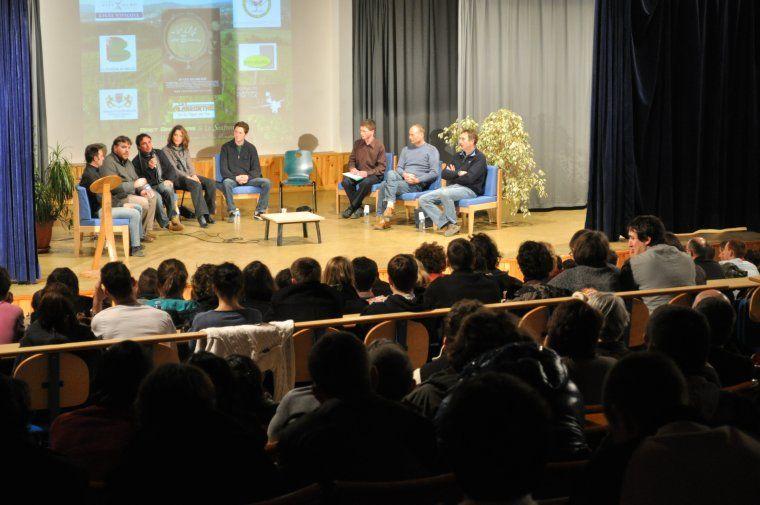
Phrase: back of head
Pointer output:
(306, 270)
(119, 373)
(402, 271)
(499, 415)
(393, 369)
(615, 316)
(218, 370)
(672, 240)
(486, 252)
(432, 256)
(642, 392)
(456, 315)
(247, 378)
(682, 334)
(460, 255)
(338, 272)
(339, 366)
(56, 311)
(481, 331)
(721, 318)
(147, 284)
(535, 260)
(174, 393)
(203, 282)
(573, 330)
(5, 284)
(171, 278)
(258, 283)
(698, 247)
(64, 275)
(591, 249)
(647, 227)
(576, 236)
(117, 280)
(365, 272)
(228, 281)
(737, 247)
(283, 279)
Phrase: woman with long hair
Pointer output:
(339, 275)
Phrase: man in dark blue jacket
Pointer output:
(240, 167)
(465, 177)
(153, 165)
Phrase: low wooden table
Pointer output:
(284, 218)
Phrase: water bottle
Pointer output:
(236, 221)
(366, 214)
(421, 222)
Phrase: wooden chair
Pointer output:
(684, 300)
(417, 339)
(164, 353)
(441, 489)
(310, 495)
(68, 373)
(390, 160)
(748, 388)
(303, 341)
(535, 323)
(85, 224)
(491, 199)
(639, 320)
(754, 306)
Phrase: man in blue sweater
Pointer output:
(417, 169)
(240, 167)
(465, 178)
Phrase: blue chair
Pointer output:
(411, 200)
(491, 199)
(85, 223)
(298, 166)
(375, 193)
(238, 193)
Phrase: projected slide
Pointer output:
(150, 64)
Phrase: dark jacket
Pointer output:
(474, 165)
(244, 162)
(36, 335)
(352, 302)
(92, 174)
(712, 268)
(460, 285)
(508, 285)
(427, 397)
(163, 171)
(732, 368)
(538, 291)
(391, 305)
(306, 302)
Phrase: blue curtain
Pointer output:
(18, 251)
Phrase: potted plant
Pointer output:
(505, 143)
(53, 187)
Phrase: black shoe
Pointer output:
(258, 215)
(231, 217)
(202, 222)
(347, 213)
(137, 251)
(186, 213)
(358, 213)
(209, 219)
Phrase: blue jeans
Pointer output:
(392, 186)
(446, 197)
(135, 217)
(168, 201)
(258, 182)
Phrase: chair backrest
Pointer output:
(388, 162)
(684, 300)
(535, 323)
(492, 176)
(428, 490)
(164, 353)
(298, 164)
(417, 339)
(218, 167)
(437, 182)
(303, 341)
(639, 320)
(74, 380)
(82, 203)
(754, 306)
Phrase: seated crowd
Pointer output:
(495, 407)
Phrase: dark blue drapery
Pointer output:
(18, 252)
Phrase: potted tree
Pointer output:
(53, 187)
(505, 143)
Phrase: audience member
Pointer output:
(296, 403)
(493, 435)
(402, 273)
(227, 281)
(573, 333)
(147, 285)
(590, 252)
(653, 263)
(11, 316)
(702, 254)
(700, 276)
(171, 282)
(66, 276)
(391, 369)
(258, 288)
(128, 318)
(250, 397)
(352, 421)
(56, 321)
(283, 279)
(487, 258)
(306, 299)
(95, 436)
(203, 287)
(536, 263)
(180, 434)
(339, 275)
(615, 319)
(463, 282)
(367, 279)
(732, 253)
(433, 258)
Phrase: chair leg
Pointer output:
(470, 221)
(125, 244)
(77, 242)
(337, 202)
(314, 194)
(280, 197)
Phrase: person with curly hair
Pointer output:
(203, 287)
(487, 258)
(536, 263)
(433, 258)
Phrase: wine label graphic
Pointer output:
(192, 64)
(118, 53)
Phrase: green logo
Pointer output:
(186, 38)
(257, 8)
(116, 50)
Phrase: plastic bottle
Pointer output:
(366, 214)
(236, 221)
(421, 221)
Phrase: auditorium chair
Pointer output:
(535, 323)
(683, 300)
(638, 325)
(412, 336)
(238, 193)
(441, 489)
(86, 224)
(411, 200)
(298, 166)
(66, 372)
(491, 199)
(303, 341)
(375, 193)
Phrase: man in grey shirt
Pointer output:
(418, 167)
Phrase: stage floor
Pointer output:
(347, 237)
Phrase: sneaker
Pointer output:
(202, 222)
(347, 213)
(358, 213)
(148, 239)
(382, 224)
(231, 217)
(388, 212)
(451, 230)
(258, 215)
(137, 251)
(175, 225)
(150, 235)
(210, 219)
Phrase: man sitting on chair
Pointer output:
(240, 166)
(417, 169)
(152, 165)
(466, 178)
(367, 161)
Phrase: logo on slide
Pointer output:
(118, 53)
(118, 104)
(193, 110)
(187, 37)
(256, 14)
(256, 57)
(118, 10)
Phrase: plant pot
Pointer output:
(44, 232)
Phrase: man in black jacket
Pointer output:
(703, 254)
(466, 178)
(152, 164)
(308, 298)
(240, 166)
